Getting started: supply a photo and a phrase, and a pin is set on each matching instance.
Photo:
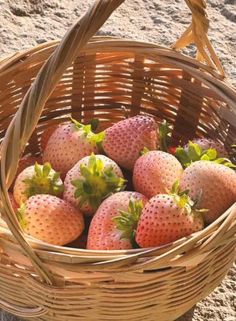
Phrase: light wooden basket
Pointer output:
(96, 77)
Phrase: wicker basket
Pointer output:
(98, 78)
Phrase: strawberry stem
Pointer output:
(96, 183)
(165, 135)
(194, 152)
(95, 123)
(144, 151)
(44, 181)
(183, 200)
(127, 221)
(95, 139)
(20, 213)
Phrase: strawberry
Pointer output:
(155, 172)
(37, 179)
(91, 180)
(217, 184)
(167, 218)
(24, 162)
(107, 230)
(50, 219)
(172, 150)
(46, 134)
(193, 152)
(165, 131)
(208, 143)
(125, 140)
(68, 144)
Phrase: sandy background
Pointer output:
(26, 23)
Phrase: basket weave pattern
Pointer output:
(100, 78)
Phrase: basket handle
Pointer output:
(197, 33)
(28, 115)
(32, 312)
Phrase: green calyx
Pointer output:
(21, 216)
(44, 181)
(183, 200)
(127, 221)
(144, 151)
(95, 139)
(96, 183)
(165, 135)
(195, 153)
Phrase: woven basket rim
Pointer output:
(13, 58)
(211, 77)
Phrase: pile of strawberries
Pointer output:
(122, 188)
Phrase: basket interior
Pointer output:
(111, 84)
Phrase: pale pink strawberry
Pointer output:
(208, 143)
(125, 140)
(46, 134)
(24, 162)
(193, 152)
(106, 229)
(91, 180)
(155, 172)
(51, 219)
(172, 150)
(217, 184)
(37, 179)
(68, 144)
(165, 219)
